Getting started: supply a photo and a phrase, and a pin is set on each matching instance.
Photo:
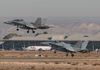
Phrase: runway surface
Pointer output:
(49, 58)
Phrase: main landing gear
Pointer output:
(54, 51)
(71, 54)
(17, 29)
(32, 31)
(28, 31)
(67, 53)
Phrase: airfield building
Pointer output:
(19, 42)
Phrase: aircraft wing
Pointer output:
(65, 46)
(60, 45)
(29, 26)
(68, 47)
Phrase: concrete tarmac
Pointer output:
(48, 58)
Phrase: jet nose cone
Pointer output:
(8, 22)
(5, 22)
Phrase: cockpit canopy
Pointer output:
(18, 20)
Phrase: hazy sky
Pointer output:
(49, 8)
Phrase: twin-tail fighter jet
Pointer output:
(64, 47)
(20, 23)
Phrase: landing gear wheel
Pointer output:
(54, 51)
(72, 55)
(17, 29)
(27, 31)
(33, 31)
(66, 54)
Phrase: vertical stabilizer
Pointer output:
(78, 45)
(37, 22)
(43, 21)
(84, 45)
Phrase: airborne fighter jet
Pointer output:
(61, 46)
(20, 23)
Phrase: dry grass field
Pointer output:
(90, 61)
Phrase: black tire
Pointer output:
(66, 54)
(27, 31)
(72, 55)
(54, 51)
(33, 31)
(17, 29)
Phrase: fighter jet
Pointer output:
(20, 23)
(61, 46)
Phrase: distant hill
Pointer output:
(11, 35)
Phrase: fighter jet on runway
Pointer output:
(61, 46)
(20, 23)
